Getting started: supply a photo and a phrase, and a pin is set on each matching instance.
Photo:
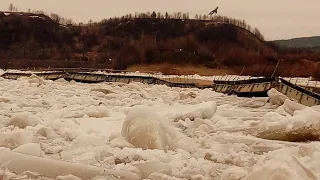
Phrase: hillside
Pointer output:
(302, 42)
(37, 40)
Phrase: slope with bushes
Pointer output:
(131, 39)
(37, 40)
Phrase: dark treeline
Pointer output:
(140, 38)
(185, 16)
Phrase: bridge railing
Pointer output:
(249, 81)
(299, 88)
(105, 75)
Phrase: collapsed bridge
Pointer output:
(257, 87)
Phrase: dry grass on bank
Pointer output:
(169, 69)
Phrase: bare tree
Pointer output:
(12, 8)
(154, 14)
(179, 15)
(167, 15)
(205, 17)
(90, 22)
(55, 17)
(185, 16)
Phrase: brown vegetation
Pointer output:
(168, 69)
(35, 39)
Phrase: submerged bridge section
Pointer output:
(247, 88)
(257, 87)
(301, 95)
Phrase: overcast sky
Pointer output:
(276, 19)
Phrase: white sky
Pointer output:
(276, 19)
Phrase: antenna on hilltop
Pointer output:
(215, 11)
